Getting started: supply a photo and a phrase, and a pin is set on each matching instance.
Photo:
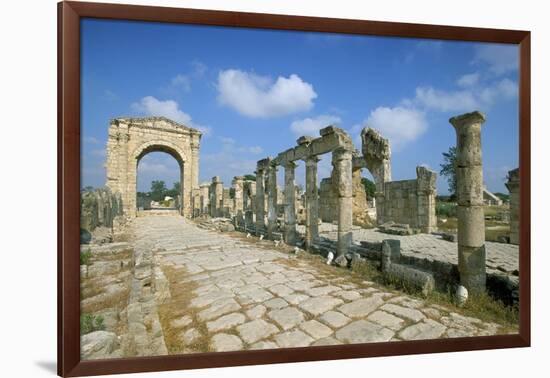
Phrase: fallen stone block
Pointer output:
(410, 278)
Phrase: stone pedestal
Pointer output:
(513, 187)
(342, 164)
(470, 212)
(312, 201)
(290, 204)
(271, 201)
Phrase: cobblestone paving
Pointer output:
(501, 258)
(246, 294)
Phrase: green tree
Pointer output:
(158, 190)
(448, 169)
(250, 177)
(175, 191)
(370, 187)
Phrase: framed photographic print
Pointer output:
(239, 188)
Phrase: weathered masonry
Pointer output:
(333, 140)
(410, 201)
(470, 210)
(263, 208)
(513, 187)
(132, 138)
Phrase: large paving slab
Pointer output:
(502, 258)
(223, 292)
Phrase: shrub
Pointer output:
(445, 209)
(85, 257)
(90, 323)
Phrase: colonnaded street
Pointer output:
(197, 290)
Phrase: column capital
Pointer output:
(467, 119)
(311, 160)
(342, 154)
(289, 165)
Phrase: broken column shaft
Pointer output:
(290, 204)
(312, 201)
(342, 163)
(260, 201)
(470, 212)
(271, 201)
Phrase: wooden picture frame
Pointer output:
(69, 16)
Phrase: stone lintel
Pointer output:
(264, 164)
(329, 130)
(216, 180)
(304, 140)
(338, 138)
(468, 119)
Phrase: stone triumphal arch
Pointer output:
(132, 138)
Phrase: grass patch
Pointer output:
(481, 306)
(177, 306)
(85, 257)
(91, 323)
(118, 300)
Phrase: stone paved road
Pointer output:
(222, 292)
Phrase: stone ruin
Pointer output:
(132, 138)
(260, 207)
(100, 210)
(513, 188)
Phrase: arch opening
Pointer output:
(159, 180)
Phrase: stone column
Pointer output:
(312, 201)
(260, 200)
(342, 164)
(195, 146)
(205, 198)
(238, 186)
(216, 204)
(513, 187)
(470, 212)
(290, 204)
(271, 201)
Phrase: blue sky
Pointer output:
(254, 92)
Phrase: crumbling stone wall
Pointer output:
(410, 201)
(328, 201)
(513, 187)
(99, 208)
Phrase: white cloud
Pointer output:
(311, 126)
(468, 80)
(501, 58)
(476, 97)
(255, 150)
(399, 124)
(152, 167)
(462, 100)
(181, 81)
(109, 95)
(149, 105)
(259, 97)
(199, 68)
(91, 140)
(100, 152)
